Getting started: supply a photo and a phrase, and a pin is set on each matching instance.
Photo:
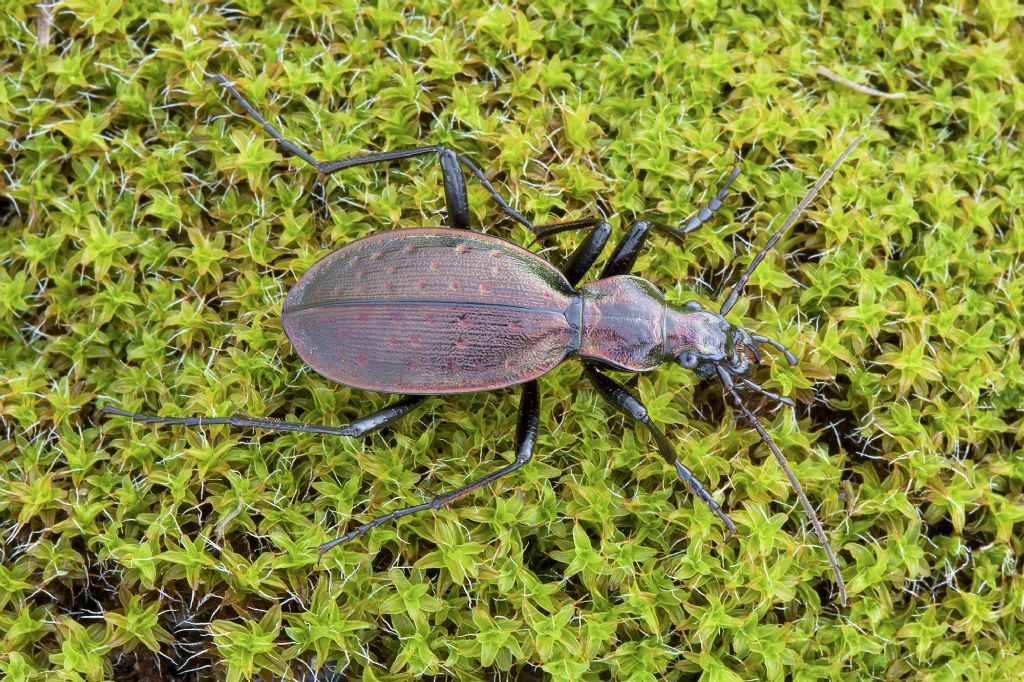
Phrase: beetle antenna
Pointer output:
(730, 388)
(738, 288)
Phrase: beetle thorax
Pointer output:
(623, 323)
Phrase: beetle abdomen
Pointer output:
(431, 311)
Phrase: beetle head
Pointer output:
(702, 341)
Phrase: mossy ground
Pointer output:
(149, 234)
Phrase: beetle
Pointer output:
(447, 310)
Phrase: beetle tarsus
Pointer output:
(705, 212)
(360, 427)
(687, 477)
(620, 398)
(291, 147)
(509, 211)
(454, 182)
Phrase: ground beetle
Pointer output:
(437, 311)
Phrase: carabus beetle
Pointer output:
(445, 310)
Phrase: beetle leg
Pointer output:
(621, 260)
(508, 210)
(620, 398)
(360, 427)
(526, 437)
(627, 250)
(762, 390)
(583, 257)
(705, 213)
(542, 231)
(451, 171)
(455, 197)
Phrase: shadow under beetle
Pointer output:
(437, 311)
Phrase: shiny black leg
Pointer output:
(790, 358)
(455, 197)
(526, 438)
(628, 249)
(625, 254)
(451, 166)
(620, 398)
(621, 260)
(582, 259)
(542, 231)
(360, 427)
(497, 198)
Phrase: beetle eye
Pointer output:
(688, 359)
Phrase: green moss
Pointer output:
(149, 234)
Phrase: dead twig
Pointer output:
(44, 22)
(863, 89)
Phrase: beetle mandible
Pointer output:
(445, 310)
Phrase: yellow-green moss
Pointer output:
(149, 234)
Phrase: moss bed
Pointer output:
(149, 232)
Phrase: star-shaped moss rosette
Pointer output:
(148, 240)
